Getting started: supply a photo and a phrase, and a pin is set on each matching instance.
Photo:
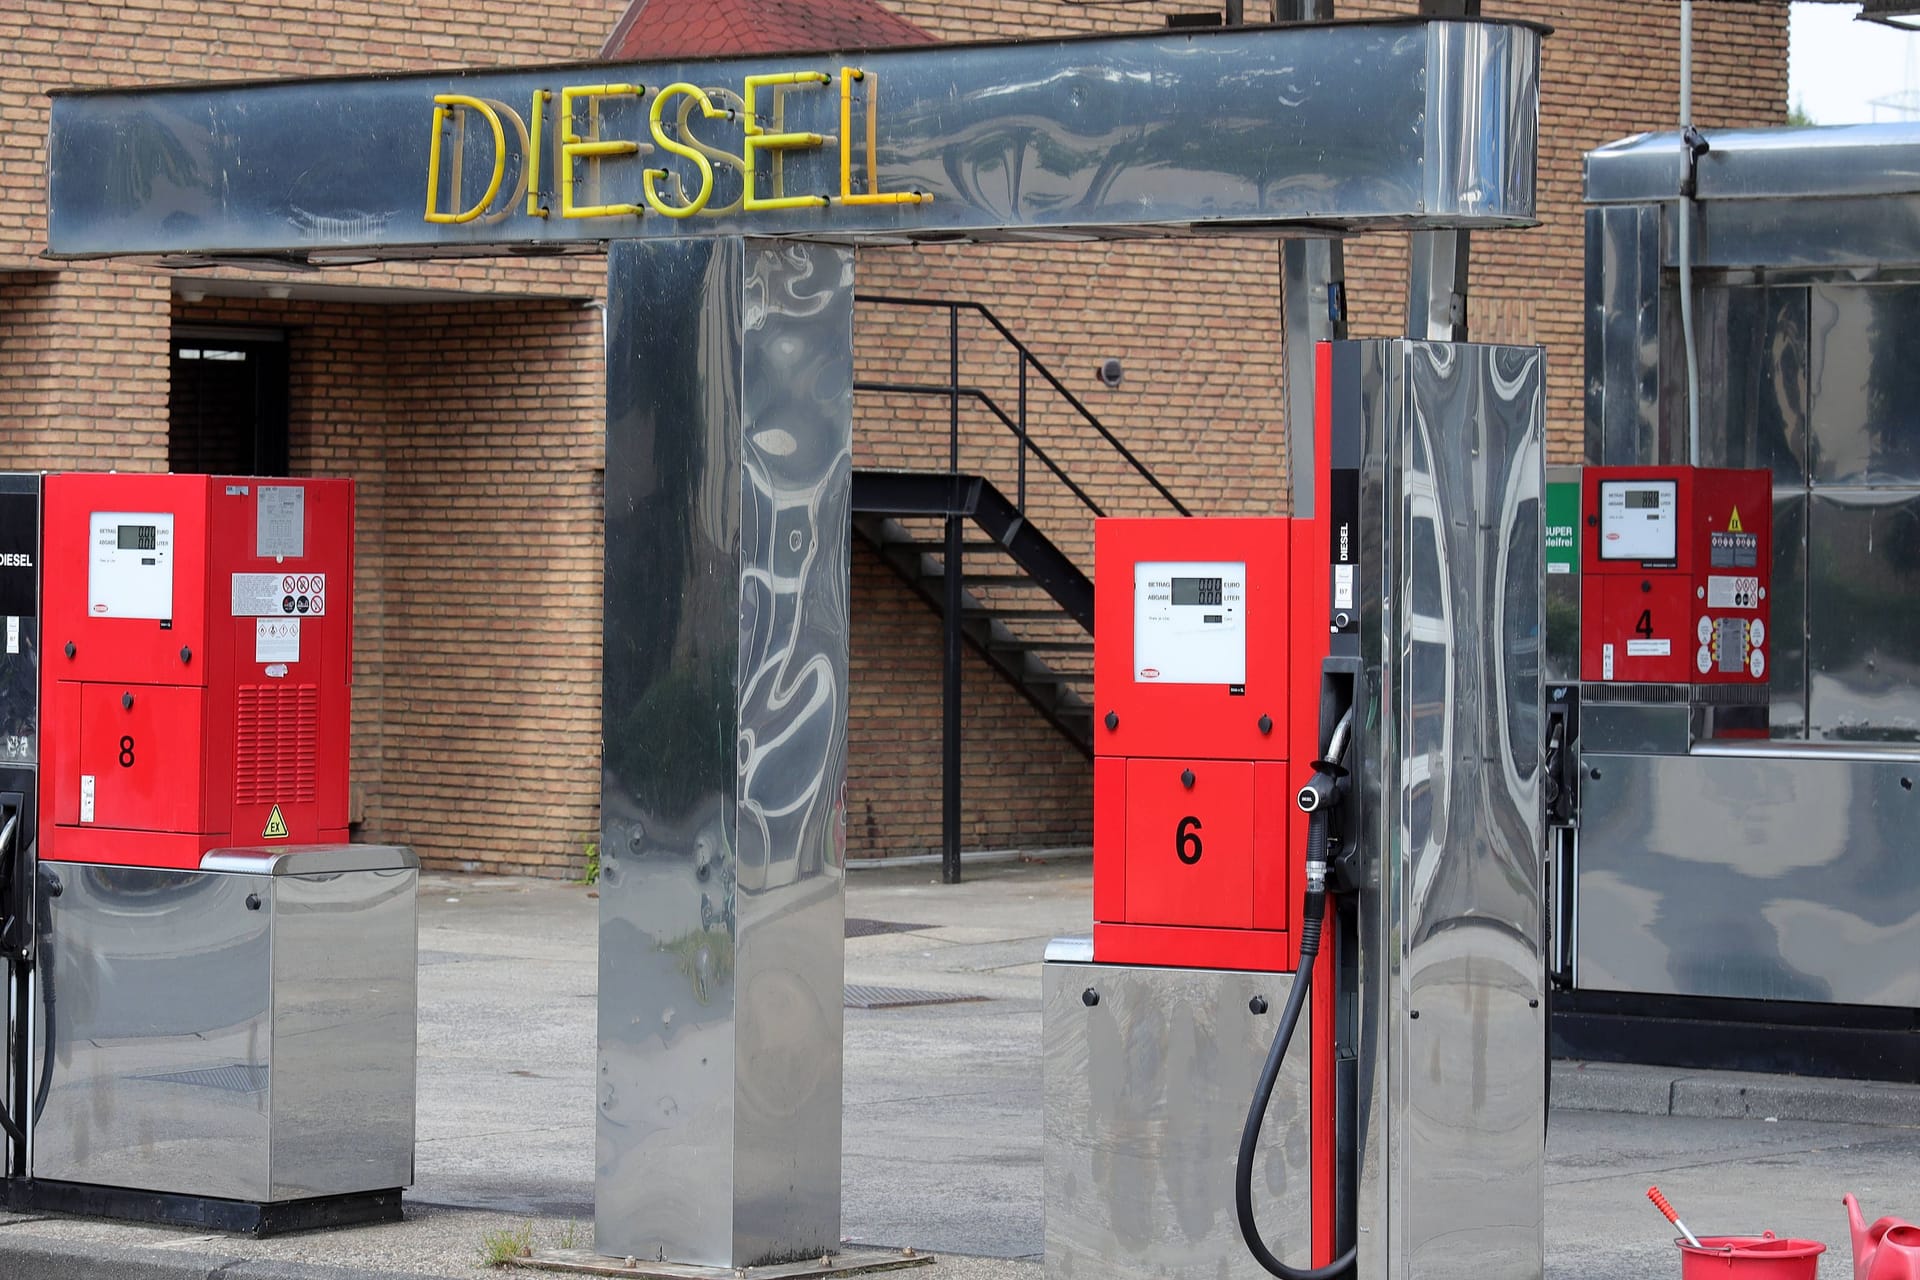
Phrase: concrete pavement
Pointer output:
(942, 1130)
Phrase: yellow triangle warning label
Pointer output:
(1733, 525)
(276, 825)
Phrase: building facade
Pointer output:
(466, 397)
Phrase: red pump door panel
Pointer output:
(1190, 843)
(140, 758)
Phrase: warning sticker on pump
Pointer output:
(1724, 592)
(1649, 648)
(276, 828)
(277, 595)
(276, 640)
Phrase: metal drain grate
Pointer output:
(239, 1078)
(859, 927)
(861, 996)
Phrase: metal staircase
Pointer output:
(1025, 606)
(1012, 594)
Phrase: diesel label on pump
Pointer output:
(1343, 549)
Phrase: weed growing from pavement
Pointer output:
(497, 1248)
(570, 1235)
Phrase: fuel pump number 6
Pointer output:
(1186, 840)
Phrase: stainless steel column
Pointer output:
(1453, 1034)
(729, 412)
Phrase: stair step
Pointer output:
(933, 548)
(990, 579)
(988, 611)
(1044, 646)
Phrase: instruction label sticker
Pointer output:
(13, 635)
(1606, 662)
(279, 595)
(281, 521)
(1732, 593)
(86, 797)
(1343, 586)
(1649, 648)
(276, 640)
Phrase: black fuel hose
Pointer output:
(44, 965)
(1312, 913)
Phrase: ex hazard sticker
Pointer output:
(276, 826)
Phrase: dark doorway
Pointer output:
(227, 403)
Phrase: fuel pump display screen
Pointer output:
(1639, 520)
(1190, 622)
(1197, 590)
(130, 565)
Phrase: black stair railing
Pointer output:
(954, 391)
(1017, 422)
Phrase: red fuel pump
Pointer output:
(1214, 635)
(195, 692)
(1674, 575)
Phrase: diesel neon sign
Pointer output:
(578, 140)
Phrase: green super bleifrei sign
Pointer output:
(1563, 527)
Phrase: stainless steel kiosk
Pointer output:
(1757, 903)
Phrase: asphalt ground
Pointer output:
(942, 1121)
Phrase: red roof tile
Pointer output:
(666, 29)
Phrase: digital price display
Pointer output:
(1197, 591)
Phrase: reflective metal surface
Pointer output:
(1752, 352)
(1865, 384)
(1757, 875)
(1863, 555)
(311, 859)
(1146, 1091)
(1623, 334)
(1392, 123)
(245, 1037)
(1653, 729)
(1748, 164)
(1452, 917)
(724, 707)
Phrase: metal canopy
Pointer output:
(1276, 130)
(1827, 162)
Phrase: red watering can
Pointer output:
(1887, 1250)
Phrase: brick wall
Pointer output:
(477, 562)
(83, 369)
(1022, 784)
(481, 421)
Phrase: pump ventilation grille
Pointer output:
(276, 744)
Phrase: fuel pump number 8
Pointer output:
(126, 751)
(1186, 840)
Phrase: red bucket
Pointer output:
(1759, 1257)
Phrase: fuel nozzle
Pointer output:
(1328, 785)
(1325, 789)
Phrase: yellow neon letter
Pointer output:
(759, 139)
(442, 101)
(574, 147)
(540, 99)
(725, 159)
(699, 200)
(847, 76)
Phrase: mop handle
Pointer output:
(1660, 1203)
